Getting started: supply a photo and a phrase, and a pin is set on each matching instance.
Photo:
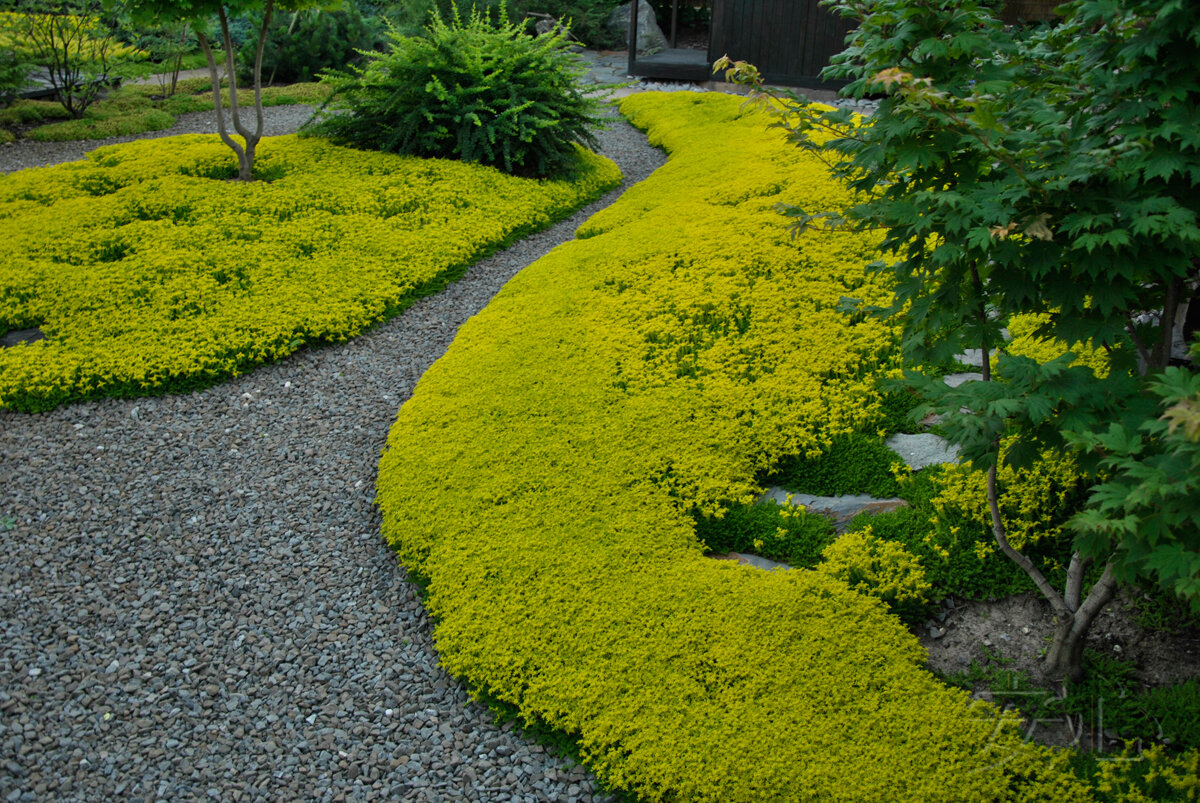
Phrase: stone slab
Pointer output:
(757, 561)
(840, 509)
(920, 451)
(954, 380)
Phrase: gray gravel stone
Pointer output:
(28, 153)
(201, 582)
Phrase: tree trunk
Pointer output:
(1064, 659)
(215, 76)
(1073, 613)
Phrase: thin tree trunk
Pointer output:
(216, 84)
(1065, 656)
(245, 155)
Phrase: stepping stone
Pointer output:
(971, 357)
(954, 380)
(10, 339)
(746, 559)
(838, 509)
(923, 450)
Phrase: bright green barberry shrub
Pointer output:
(148, 271)
(473, 89)
(544, 473)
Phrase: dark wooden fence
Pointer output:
(790, 41)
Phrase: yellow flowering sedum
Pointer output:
(880, 568)
(148, 270)
(543, 475)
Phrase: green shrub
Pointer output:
(850, 464)
(1171, 714)
(104, 127)
(897, 408)
(778, 532)
(150, 273)
(475, 90)
(300, 44)
(24, 112)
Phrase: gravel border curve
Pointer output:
(196, 600)
(24, 153)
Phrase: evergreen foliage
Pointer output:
(305, 42)
(472, 89)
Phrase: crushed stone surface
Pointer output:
(195, 597)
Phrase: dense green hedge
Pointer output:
(544, 474)
(149, 270)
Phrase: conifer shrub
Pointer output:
(300, 44)
(469, 89)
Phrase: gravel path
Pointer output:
(195, 598)
(28, 153)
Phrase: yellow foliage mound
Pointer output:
(543, 474)
(148, 270)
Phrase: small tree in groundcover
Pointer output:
(1053, 171)
(200, 13)
(75, 42)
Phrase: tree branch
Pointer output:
(1075, 572)
(215, 76)
(1141, 348)
(231, 74)
(1043, 585)
(258, 57)
(1100, 595)
(1167, 336)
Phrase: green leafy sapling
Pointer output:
(1051, 171)
(73, 42)
(199, 13)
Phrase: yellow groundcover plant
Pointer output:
(149, 270)
(543, 475)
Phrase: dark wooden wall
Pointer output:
(790, 41)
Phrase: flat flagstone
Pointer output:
(757, 561)
(954, 380)
(12, 338)
(839, 509)
(972, 357)
(920, 451)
